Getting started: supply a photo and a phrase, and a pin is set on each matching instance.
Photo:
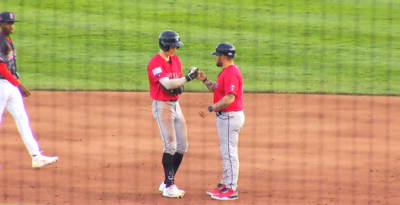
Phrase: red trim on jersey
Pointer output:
(7, 36)
(7, 75)
(230, 81)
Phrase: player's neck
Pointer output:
(165, 56)
(227, 64)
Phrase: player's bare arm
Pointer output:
(210, 85)
(24, 90)
(223, 103)
(202, 77)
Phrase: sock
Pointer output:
(177, 161)
(168, 164)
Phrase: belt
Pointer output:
(173, 100)
(220, 113)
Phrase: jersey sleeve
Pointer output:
(3, 50)
(231, 84)
(7, 74)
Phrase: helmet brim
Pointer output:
(9, 22)
(178, 44)
(216, 54)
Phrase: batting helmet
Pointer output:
(225, 49)
(7, 17)
(169, 39)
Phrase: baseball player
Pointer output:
(228, 105)
(166, 84)
(11, 91)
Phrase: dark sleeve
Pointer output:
(3, 50)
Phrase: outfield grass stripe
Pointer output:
(301, 46)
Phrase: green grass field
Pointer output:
(312, 46)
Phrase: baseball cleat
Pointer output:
(216, 190)
(172, 192)
(226, 194)
(41, 160)
(163, 185)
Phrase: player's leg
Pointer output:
(235, 124)
(4, 96)
(16, 108)
(181, 136)
(163, 114)
(222, 128)
(229, 126)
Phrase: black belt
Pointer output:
(173, 100)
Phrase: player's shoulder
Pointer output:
(232, 71)
(155, 61)
(175, 57)
(236, 69)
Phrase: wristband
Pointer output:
(204, 80)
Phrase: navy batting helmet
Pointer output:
(225, 49)
(7, 17)
(169, 39)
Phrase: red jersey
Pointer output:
(230, 81)
(159, 68)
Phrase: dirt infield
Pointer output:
(294, 149)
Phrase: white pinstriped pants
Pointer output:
(11, 98)
(229, 125)
(172, 125)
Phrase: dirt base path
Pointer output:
(294, 149)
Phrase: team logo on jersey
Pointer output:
(173, 75)
(232, 87)
(157, 71)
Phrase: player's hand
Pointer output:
(194, 71)
(211, 108)
(24, 91)
(201, 76)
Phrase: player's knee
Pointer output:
(182, 148)
(19, 115)
(22, 117)
(170, 149)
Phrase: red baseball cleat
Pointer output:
(216, 190)
(226, 194)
